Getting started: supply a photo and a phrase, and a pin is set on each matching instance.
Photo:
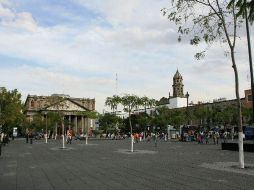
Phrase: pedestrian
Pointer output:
(69, 136)
(148, 137)
(31, 137)
(225, 137)
(217, 135)
(201, 137)
(206, 138)
(214, 138)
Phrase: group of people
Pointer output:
(203, 137)
(4, 138)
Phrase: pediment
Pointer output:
(66, 105)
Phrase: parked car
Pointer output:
(249, 132)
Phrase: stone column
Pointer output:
(82, 124)
(86, 124)
(76, 124)
(69, 121)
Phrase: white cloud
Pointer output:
(6, 13)
(138, 44)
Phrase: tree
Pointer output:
(52, 120)
(177, 118)
(57, 103)
(144, 102)
(216, 22)
(37, 124)
(10, 109)
(242, 5)
(113, 102)
(89, 115)
(108, 121)
(161, 117)
(130, 103)
(247, 113)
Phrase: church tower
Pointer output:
(178, 85)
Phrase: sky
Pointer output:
(77, 47)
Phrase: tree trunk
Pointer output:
(240, 128)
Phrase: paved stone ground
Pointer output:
(108, 164)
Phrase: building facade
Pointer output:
(70, 109)
(248, 98)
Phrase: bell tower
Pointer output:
(178, 85)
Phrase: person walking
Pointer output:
(206, 138)
(225, 137)
(69, 136)
(217, 136)
(214, 137)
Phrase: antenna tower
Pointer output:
(116, 84)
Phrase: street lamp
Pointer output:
(187, 96)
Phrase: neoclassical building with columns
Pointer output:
(70, 108)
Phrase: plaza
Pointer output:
(109, 164)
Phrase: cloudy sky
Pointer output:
(76, 47)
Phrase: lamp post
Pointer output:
(187, 96)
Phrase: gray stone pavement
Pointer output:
(108, 164)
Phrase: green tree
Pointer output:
(37, 124)
(143, 121)
(144, 102)
(108, 121)
(217, 22)
(242, 5)
(113, 102)
(177, 118)
(247, 114)
(130, 103)
(58, 103)
(89, 115)
(202, 114)
(228, 115)
(52, 119)
(161, 117)
(10, 109)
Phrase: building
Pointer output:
(248, 98)
(178, 99)
(70, 109)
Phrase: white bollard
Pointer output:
(132, 140)
(63, 142)
(241, 153)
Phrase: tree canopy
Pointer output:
(244, 5)
(10, 109)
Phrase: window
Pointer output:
(32, 103)
(249, 98)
